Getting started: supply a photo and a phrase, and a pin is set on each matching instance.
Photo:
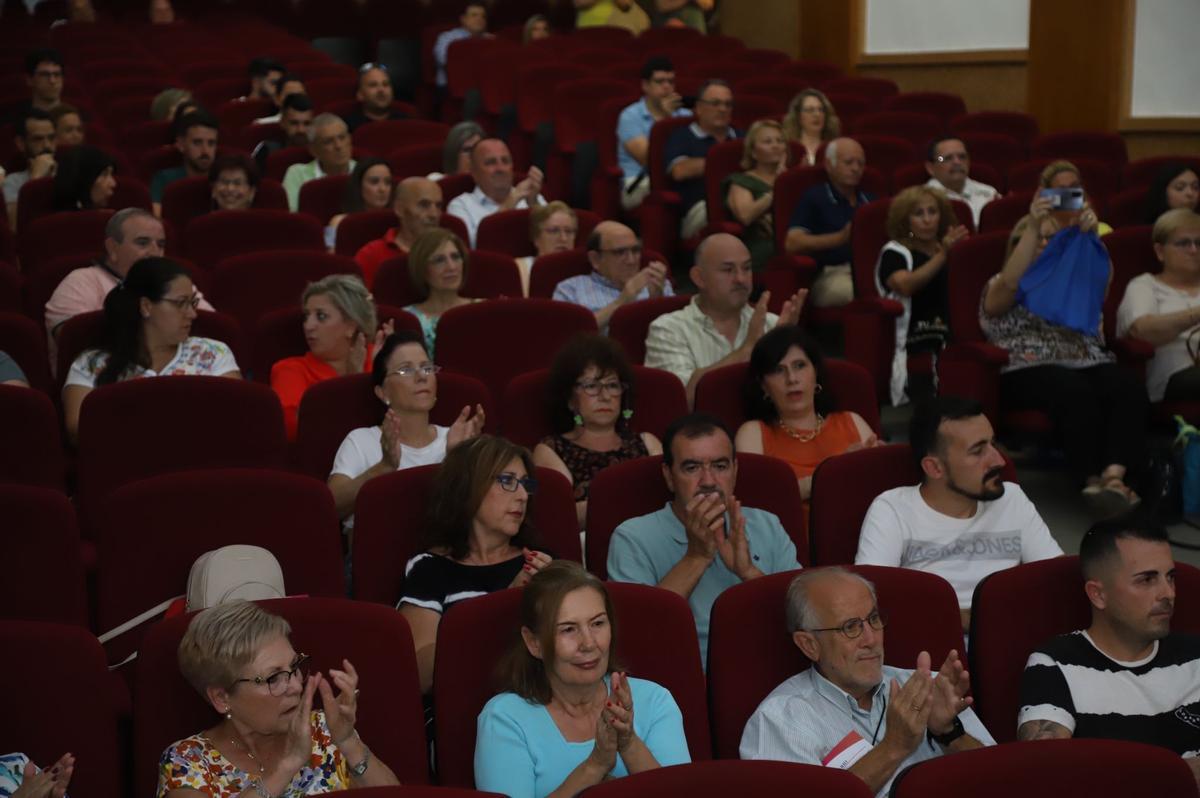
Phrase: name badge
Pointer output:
(843, 755)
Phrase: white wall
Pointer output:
(1166, 59)
(922, 26)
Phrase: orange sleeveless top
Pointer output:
(837, 433)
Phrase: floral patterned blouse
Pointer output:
(585, 463)
(195, 763)
(203, 356)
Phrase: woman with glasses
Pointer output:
(570, 718)
(147, 333)
(589, 400)
(233, 181)
(437, 266)
(812, 121)
(1164, 309)
(269, 740)
(791, 416)
(750, 194)
(406, 382)
(478, 537)
(552, 228)
(456, 151)
(368, 189)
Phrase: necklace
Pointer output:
(246, 750)
(804, 436)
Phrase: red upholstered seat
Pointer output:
(876, 89)
(636, 487)
(57, 235)
(1016, 610)
(32, 452)
(749, 779)
(41, 538)
(184, 200)
(922, 613)
(656, 641)
(659, 400)
(1097, 145)
(1096, 768)
(916, 128)
(535, 91)
(772, 83)
(69, 659)
(453, 185)
(278, 161)
(376, 640)
(1131, 253)
(659, 211)
(998, 150)
(389, 521)
(209, 238)
(550, 270)
(323, 198)
(1141, 173)
(383, 137)
(886, 152)
(1003, 213)
(1021, 126)
(630, 323)
(490, 275)
(1128, 208)
(417, 159)
(943, 105)
(507, 232)
(359, 229)
(24, 340)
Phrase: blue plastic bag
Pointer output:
(1066, 284)
(1188, 442)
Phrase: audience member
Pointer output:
(478, 537)
(812, 121)
(687, 147)
(617, 277)
(790, 415)
(1164, 309)
(10, 372)
(1064, 174)
(406, 382)
(340, 330)
(332, 151)
(820, 223)
(285, 87)
(147, 333)
(418, 207)
(437, 266)
(719, 326)
(166, 103)
(456, 153)
(196, 140)
(537, 27)
(233, 181)
(161, 12)
(368, 189)
(265, 74)
(21, 778)
(375, 97)
(44, 76)
(1098, 408)
(749, 195)
(1175, 186)
(35, 141)
(962, 522)
(911, 270)
(472, 24)
(491, 167)
(68, 126)
(83, 179)
(239, 659)
(569, 717)
(659, 101)
(821, 716)
(702, 541)
(629, 15)
(294, 122)
(1127, 676)
(948, 165)
(681, 14)
(589, 401)
(553, 227)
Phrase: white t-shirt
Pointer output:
(198, 356)
(1146, 295)
(900, 529)
(363, 448)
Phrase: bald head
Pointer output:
(723, 273)
(491, 166)
(418, 205)
(614, 251)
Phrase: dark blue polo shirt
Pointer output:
(689, 141)
(823, 209)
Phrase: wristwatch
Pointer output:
(358, 770)
(944, 740)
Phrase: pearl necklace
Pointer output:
(804, 436)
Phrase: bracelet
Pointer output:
(260, 789)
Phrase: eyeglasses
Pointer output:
(812, 109)
(854, 627)
(232, 182)
(277, 683)
(1186, 243)
(50, 74)
(952, 156)
(509, 483)
(367, 67)
(634, 251)
(560, 231)
(717, 103)
(184, 302)
(424, 369)
(594, 388)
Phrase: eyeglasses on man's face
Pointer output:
(853, 627)
(509, 483)
(277, 682)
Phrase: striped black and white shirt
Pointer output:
(1154, 700)
(435, 582)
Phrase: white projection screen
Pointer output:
(1166, 60)
(936, 26)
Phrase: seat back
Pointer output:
(24, 340)
(971, 263)
(656, 163)
(1021, 126)
(376, 640)
(48, 582)
(636, 487)
(550, 270)
(1094, 144)
(867, 237)
(878, 89)
(630, 324)
(656, 641)
(723, 159)
(1003, 213)
(885, 151)
(322, 198)
(32, 453)
(507, 232)
(750, 779)
(221, 234)
(1131, 252)
(359, 229)
(942, 105)
(789, 188)
(59, 234)
(918, 129)
(189, 197)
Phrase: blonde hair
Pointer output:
(224, 639)
(422, 250)
(1055, 168)
(1172, 222)
(748, 161)
(791, 120)
(898, 228)
(351, 298)
(542, 213)
(1021, 226)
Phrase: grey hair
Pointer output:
(831, 153)
(116, 222)
(322, 121)
(799, 611)
(224, 639)
(454, 141)
(351, 297)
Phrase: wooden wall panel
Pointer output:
(764, 23)
(983, 87)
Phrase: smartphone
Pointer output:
(1064, 199)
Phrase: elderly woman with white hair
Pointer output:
(269, 740)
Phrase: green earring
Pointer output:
(627, 413)
(578, 420)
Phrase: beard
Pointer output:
(983, 493)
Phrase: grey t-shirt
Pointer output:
(9, 370)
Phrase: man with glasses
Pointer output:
(617, 277)
(963, 521)
(375, 97)
(688, 147)
(702, 541)
(332, 150)
(659, 101)
(849, 710)
(418, 208)
(948, 164)
(44, 76)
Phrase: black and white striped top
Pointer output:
(435, 582)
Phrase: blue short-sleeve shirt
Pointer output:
(823, 209)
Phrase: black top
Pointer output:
(356, 118)
(436, 582)
(928, 326)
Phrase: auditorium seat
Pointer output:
(41, 540)
(359, 229)
(278, 161)
(747, 779)
(185, 199)
(415, 160)
(383, 137)
(886, 153)
(943, 105)
(1089, 144)
(1021, 126)
(32, 453)
(507, 232)
(916, 128)
(324, 197)
(280, 334)
(876, 89)
(1003, 213)
(209, 238)
(630, 324)
(24, 340)
(59, 234)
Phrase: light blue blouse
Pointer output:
(428, 327)
(519, 750)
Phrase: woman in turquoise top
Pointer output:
(437, 266)
(570, 718)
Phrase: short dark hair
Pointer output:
(22, 126)
(927, 419)
(286, 78)
(41, 56)
(379, 370)
(197, 118)
(572, 360)
(471, 4)
(263, 65)
(931, 148)
(1156, 196)
(1099, 544)
(656, 63)
(234, 160)
(766, 356)
(297, 102)
(692, 426)
(706, 85)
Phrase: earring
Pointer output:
(228, 714)
(627, 413)
(817, 389)
(578, 419)
(387, 402)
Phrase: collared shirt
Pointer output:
(973, 193)
(646, 548)
(300, 173)
(595, 291)
(686, 340)
(690, 142)
(824, 209)
(634, 122)
(163, 178)
(372, 254)
(12, 186)
(442, 45)
(806, 716)
(474, 207)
